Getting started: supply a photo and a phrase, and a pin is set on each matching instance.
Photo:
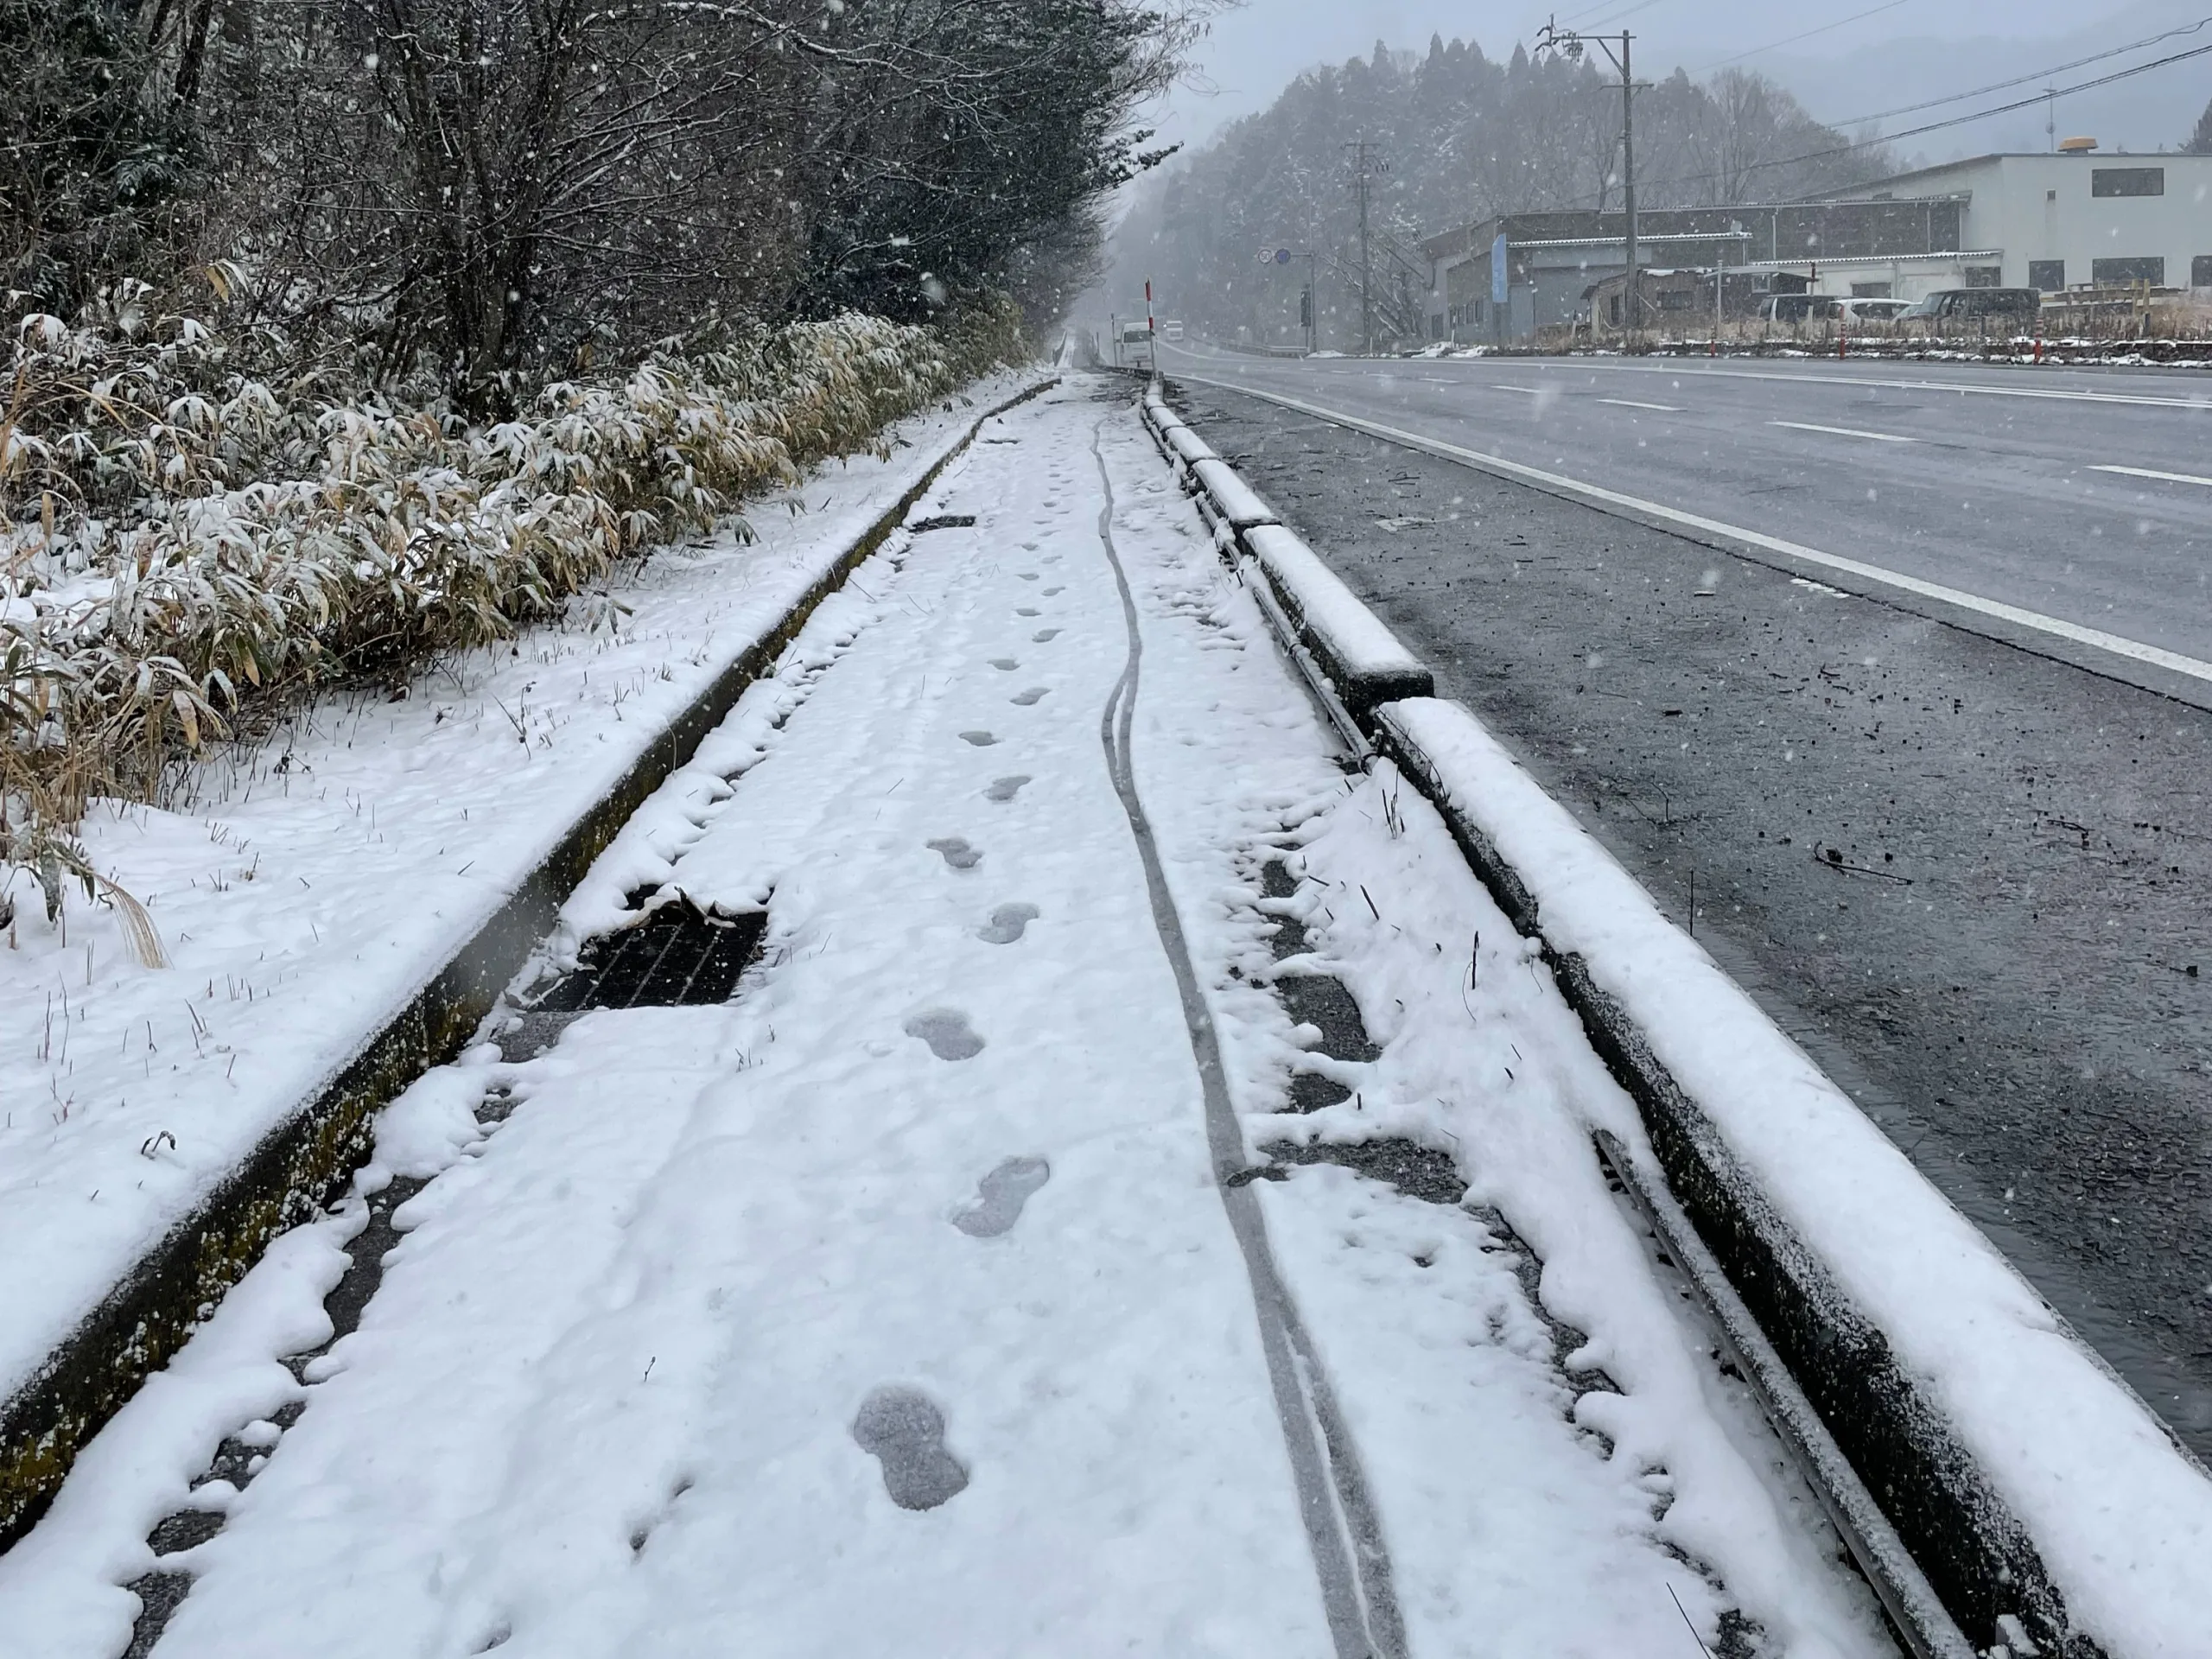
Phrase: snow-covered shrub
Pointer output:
(188, 535)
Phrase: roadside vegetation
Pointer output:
(342, 333)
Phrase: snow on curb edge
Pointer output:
(1364, 662)
(2037, 1492)
(298, 1167)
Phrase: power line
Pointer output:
(1887, 5)
(1605, 5)
(2021, 80)
(2002, 109)
(1952, 121)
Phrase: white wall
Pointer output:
(2039, 207)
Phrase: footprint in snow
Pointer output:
(999, 1196)
(1006, 924)
(957, 853)
(1029, 547)
(1005, 789)
(902, 1429)
(1004, 665)
(980, 740)
(1032, 694)
(1028, 575)
(1045, 636)
(1049, 591)
(947, 1033)
(1027, 610)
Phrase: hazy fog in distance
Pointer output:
(1902, 53)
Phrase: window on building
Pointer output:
(1870, 290)
(2200, 272)
(2139, 268)
(2128, 181)
(1984, 276)
(2047, 275)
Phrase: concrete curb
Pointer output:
(299, 1168)
(1362, 662)
(1945, 1551)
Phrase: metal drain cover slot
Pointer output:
(678, 957)
(942, 521)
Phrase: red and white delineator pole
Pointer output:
(1150, 327)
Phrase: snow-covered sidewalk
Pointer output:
(901, 1304)
(307, 887)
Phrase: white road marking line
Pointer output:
(1630, 402)
(1845, 431)
(1531, 390)
(2200, 402)
(2146, 472)
(2134, 650)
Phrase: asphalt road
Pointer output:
(1994, 482)
(2011, 965)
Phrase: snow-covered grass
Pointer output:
(606, 1401)
(193, 529)
(312, 880)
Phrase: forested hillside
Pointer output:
(1458, 138)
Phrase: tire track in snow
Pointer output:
(1340, 1519)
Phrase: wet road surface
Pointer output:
(2082, 496)
(1972, 880)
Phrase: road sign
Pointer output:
(1282, 256)
(1500, 292)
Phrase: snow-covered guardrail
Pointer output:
(2046, 1505)
(66, 1375)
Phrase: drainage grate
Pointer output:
(678, 957)
(942, 521)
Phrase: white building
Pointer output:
(2056, 221)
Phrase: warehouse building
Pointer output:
(2074, 219)
(2069, 220)
(1550, 260)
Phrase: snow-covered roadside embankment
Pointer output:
(342, 906)
(2033, 1487)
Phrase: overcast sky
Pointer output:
(1904, 51)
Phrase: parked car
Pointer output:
(2010, 307)
(1870, 310)
(1799, 307)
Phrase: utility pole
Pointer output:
(1367, 160)
(1572, 45)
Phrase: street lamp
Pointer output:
(1572, 45)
